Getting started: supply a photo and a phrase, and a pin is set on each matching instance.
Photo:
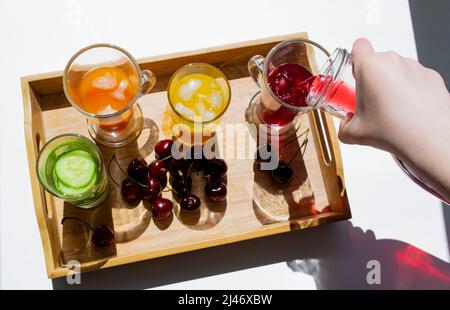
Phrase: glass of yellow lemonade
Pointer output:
(198, 94)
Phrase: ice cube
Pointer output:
(281, 84)
(106, 81)
(200, 107)
(185, 111)
(209, 116)
(216, 100)
(119, 93)
(188, 89)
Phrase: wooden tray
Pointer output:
(254, 207)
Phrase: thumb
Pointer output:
(361, 49)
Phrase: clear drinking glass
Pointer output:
(191, 124)
(86, 196)
(103, 82)
(267, 108)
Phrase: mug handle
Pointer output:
(148, 81)
(255, 68)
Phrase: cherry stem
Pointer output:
(299, 150)
(189, 170)
(166, 158)
(296, 138)
(118, 165)
(109, 171)
(76, 219)
(123, 171)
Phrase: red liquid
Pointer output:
(292, 83)
(339, 95)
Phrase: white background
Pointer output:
(40, 36)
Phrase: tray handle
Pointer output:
(327, 147)
(34, 137)
(44, 195)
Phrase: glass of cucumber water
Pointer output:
(71, 167)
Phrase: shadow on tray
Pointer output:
(335, 255)
(130, 219)
(274, 202)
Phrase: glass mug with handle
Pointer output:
(104, 82)
(288, 85)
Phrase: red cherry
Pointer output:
(190, 203)
(181, 185)
(131, 190)
(177, 166)
(162, 208)
(216, 191)
(283, 173)
(158, 168)
(163, 182)
(153, 189)
(102, 236)
(163, 148)
(216, 168)
(137, 169)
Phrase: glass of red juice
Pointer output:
(284, 77)
(291, 83)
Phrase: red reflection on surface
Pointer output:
(421, 261)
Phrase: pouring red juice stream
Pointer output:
(292, 83)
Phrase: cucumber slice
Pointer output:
(75, 168)
(55, 178)
(70, 191)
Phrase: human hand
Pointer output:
(398, 101)
(403, 108)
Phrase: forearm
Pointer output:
(428, 152)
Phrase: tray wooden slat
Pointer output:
(254, 207)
